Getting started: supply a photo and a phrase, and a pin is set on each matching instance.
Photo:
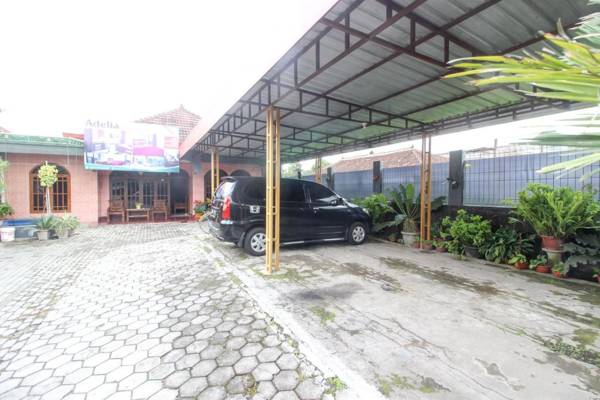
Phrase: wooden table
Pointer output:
(138, 213)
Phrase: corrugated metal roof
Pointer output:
(369, 72)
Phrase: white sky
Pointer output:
(66, 61)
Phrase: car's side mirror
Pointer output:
(336, 202)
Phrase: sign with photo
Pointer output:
(131, 147)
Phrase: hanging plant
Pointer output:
(48, 175)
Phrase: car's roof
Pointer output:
(259, 178)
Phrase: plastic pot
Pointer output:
(542, 269)
(551, 243)
(7, 234)
(521, 265)
(43, 234)
(409, 238)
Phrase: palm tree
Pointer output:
(569, 69)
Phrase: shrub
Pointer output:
(585, 250)
(378, 206)
(506, 243)
(5, 210)
(557, 212)
(465, 230)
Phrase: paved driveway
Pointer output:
(427, 326)
(137, 312)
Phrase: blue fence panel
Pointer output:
(392, 177)
(353, 184)
(492, 180)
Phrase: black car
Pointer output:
(310, 212)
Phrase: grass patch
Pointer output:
(397, 382)
(586, 337)
(324, 315)
(335, 384)
(234, 279)
(579, 352)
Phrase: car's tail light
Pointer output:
(226, 210)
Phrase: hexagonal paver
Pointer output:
(245, 365)
(177, 379)
(288, 361)
(286, 395)
(228, 358)
(308, 389)
(193, 387)
(251, 349)
(212, 393)
(220, 376)
(204, 368)
(240, 384)
(269, 354)
(265, 371)
(286, 380)
(146, 390)
(161, 371)
(132, 381)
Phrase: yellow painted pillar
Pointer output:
(425, 233)
(318, 169)
(272, 189)
(214, 171)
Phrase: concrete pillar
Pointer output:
(377, 178)
(456, 179)
(330, 178)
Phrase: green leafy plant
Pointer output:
(566, 69)
(5, 210)
(537, 261)
(465, 230)
(46, 223)
(3, 167)
(406, 204)
(48, 175)
(378, 206)
(584, 250)
(505, 243)
(557, 212)
(517, 258)
(596, 273)
(561, 268)
(65, 223)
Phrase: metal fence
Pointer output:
(491, 176)
(494, 176)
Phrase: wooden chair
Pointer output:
(160, 207)
(180, 207)
(116, 207)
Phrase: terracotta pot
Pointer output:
(521, 265)
(598, 278)
(542, 269)
(410, 238)
(441, 249)
(558, 274)
(551, 243)
(427, 246)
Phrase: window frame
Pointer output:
(63, 174)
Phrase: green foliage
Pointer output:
(406, 204)
(585, 250)
(3, 166)
(465, 230)
(378, 206)
(517, 258)
(291, 170)
(560, 267)
(505, 243)
(5, 210)
(567, 69)
(557, 212)
(48, 175)
(580, 352)
(46, 222)
(537, 261)
(65, 223)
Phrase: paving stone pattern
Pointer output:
(133, 312)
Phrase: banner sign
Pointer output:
(132, 147)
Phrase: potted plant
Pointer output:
(440, 245)
(72, 224)
(48, 175)
(200, 208)
(5, 210)
(505, 243)
(44, 225)
(556, 213)
(540, 264)
(61, 227)
(427, 245)
(406, 205)
(467, 233)
(519, 261)
(560, 270)
(7, 233)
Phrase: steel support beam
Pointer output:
(318, 169)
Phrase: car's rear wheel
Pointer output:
(357, 234)
(255, 242)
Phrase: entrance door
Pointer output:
(133, 192)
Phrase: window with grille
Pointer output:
(60, 193)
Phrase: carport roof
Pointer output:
(369, 73)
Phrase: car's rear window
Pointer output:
(254, 192)
(224, 190)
